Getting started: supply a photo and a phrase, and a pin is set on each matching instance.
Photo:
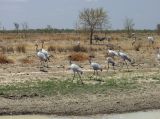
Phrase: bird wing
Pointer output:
(41, 55)
(76, 68)
(96, 65)
(45, 53)
(113, 52)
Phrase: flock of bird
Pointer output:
(44, 57)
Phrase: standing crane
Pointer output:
(112, 53)
(109, 60)
(158, 54)
(95, 66)
(45, 53)
(75, 68)
(125, 58)
(42, 57)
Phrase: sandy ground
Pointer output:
(77, 104)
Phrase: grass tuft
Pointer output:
(79, 56)
(5, 60)
(21, 48)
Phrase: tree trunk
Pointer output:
(91, 34)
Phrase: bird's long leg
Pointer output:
(97, 72)
(108, 67)
(113, 68)
(126, 64)
(94, 72)
(41, 64)
(73, 76)
(47, 64)
(80, 77)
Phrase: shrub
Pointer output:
(26, 61)
(78, 48)
(137, 46)
(7, 49)
(51, 48)
(79, 56)
(5, 60)
(21, 48)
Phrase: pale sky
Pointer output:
(64, 13)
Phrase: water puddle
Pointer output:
(135, 115)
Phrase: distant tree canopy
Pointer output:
(128, 26)
(158, 29)
(16, 25)
(93, 19)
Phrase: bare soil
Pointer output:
(77, 104)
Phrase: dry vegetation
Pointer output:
(64, 44)
(21, 77)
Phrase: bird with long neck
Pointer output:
(109, 60)
(41, 56)
(124, 57)
(94, 65)
(75, 68)
(45, 53)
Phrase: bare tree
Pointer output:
(93, 19)
(49, 28)
(158, 29)
(25, 28)
(16, 25)
(128, 25)
(0, 26)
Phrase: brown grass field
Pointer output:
(20, 64)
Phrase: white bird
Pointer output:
(45, 53)
(112, 53)
(109, 60)
(158, 57)
(124, 57)
(158, 54)
(95, 66)
(41, 55)
(151, 39)
(76, 69)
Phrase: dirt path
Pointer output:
(113, 102)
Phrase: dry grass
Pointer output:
(137, 46)
(26, 60)
(7, 49)
(64, 44)
(21, 48)
(79, 56)
(5, 60)
(78, 48)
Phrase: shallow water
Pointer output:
(135, 115)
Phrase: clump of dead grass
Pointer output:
(7, 49)
(79, 56)
(79, 48)
(5, 60)
(26, 60)
(51, 48)
(21, 48)
(137, 46)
